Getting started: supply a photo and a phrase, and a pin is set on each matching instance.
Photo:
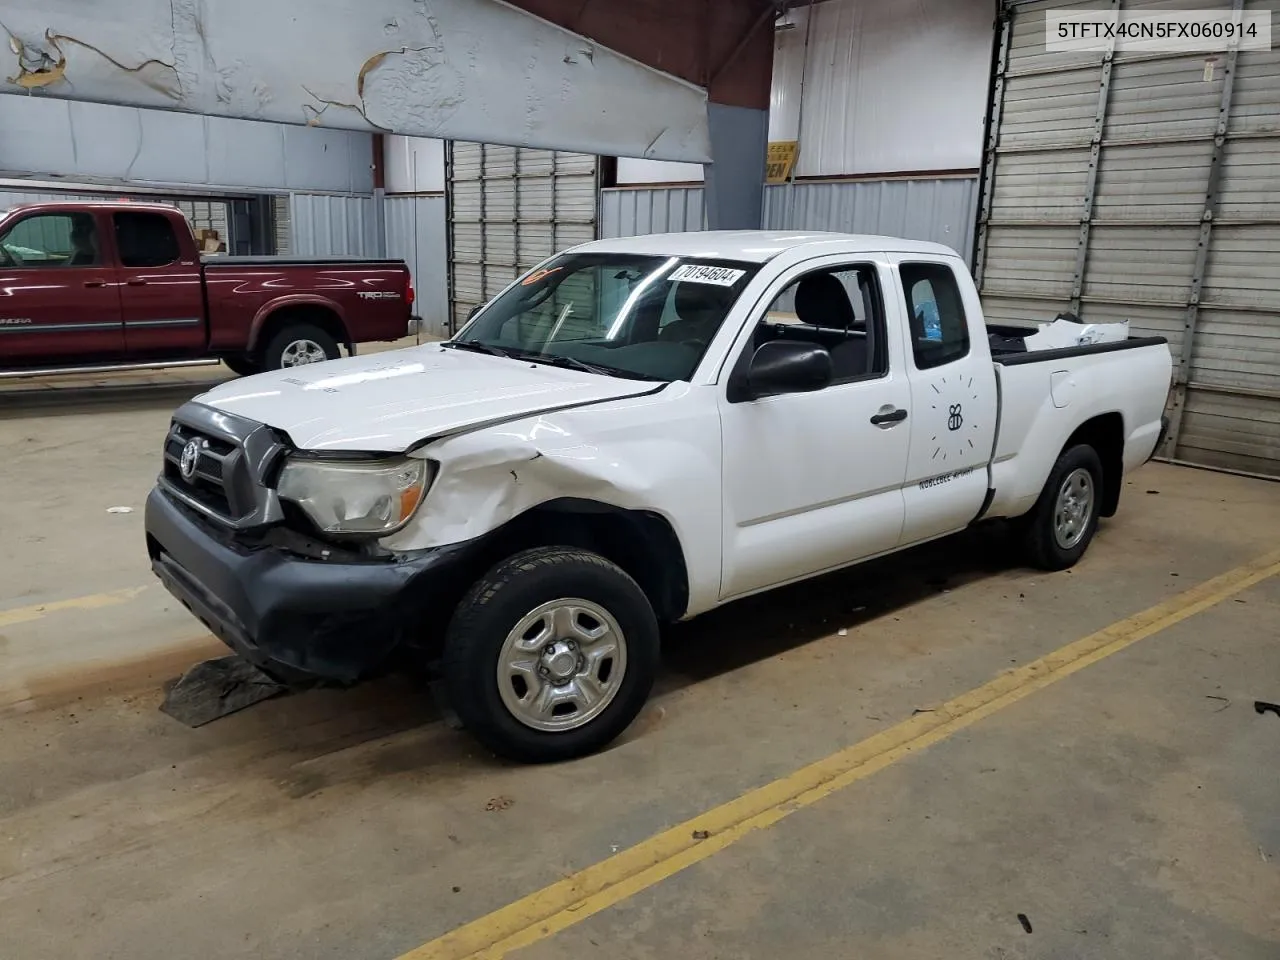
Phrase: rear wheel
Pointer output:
(1061, 525)
(299, 344)
(551, 655)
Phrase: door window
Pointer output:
(146, 240)
(51, 240)
(935, 314)
(836, 308)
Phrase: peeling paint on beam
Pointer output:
(455, 69)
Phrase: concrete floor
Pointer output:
(1129, 810)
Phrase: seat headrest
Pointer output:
(701, 301)
(821, 300)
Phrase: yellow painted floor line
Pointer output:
(586, 893)
(95, 600)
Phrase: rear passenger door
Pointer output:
(953, 396)
(161, 292)
(813, 481)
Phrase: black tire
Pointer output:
(273, 355)
(492, 609)
(1038, 528)
(243, 365)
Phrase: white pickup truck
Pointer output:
(634, 432)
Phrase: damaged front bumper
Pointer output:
(299, 620)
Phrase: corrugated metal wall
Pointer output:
(510, 208)
(941, 209)
(1147, 188)
(416, 233)
(322, 225)
(634, 212)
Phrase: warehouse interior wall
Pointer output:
(888, 86)
(93, 143)
(938, 209)
(888, 101)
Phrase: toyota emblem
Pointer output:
(190, 457)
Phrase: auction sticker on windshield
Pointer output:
(695, 273)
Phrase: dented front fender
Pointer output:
(617, 454)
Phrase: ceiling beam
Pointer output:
(616, 77)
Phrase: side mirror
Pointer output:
(783, 366)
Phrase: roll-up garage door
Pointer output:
(1146, 187)
(509, 208)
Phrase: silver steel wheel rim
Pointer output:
(561, 666)
(300, 352)
(1074, 509)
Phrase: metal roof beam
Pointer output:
(477, 70)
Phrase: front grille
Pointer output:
(229, 482)
(208, 484)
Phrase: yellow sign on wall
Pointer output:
(779, 160)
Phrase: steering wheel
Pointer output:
(9, 259)
(695, 344)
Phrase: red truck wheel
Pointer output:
(299, 344)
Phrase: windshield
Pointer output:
(647, 317)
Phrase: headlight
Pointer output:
(356, 496)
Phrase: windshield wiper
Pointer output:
(550, 359)
(559, 360)
(479, 347)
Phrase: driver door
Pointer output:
(813, 481)
(58, 295)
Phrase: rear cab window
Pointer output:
(145, 239)
(935, 314)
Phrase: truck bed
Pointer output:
(1040, 402)
(1008, 346)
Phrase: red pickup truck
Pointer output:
(95, 284)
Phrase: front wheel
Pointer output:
(1060, 526)
(551, 655)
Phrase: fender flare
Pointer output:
(272, 307)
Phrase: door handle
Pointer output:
(136, 282)
(889, 415)
(95, 283)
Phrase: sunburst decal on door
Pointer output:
(954, 401)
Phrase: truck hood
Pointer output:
(393, 400)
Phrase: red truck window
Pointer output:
(146, 240)
(51, 240)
